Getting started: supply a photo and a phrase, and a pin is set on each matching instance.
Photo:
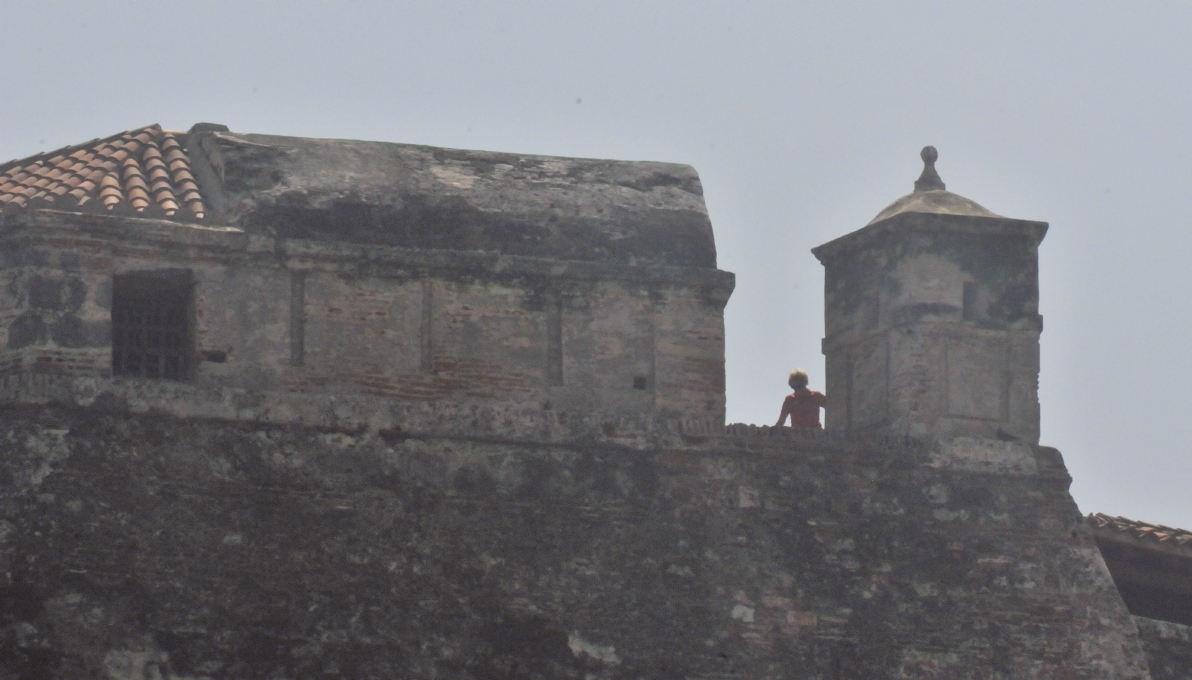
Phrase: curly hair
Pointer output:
(798, 379)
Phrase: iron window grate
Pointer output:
(152, 326)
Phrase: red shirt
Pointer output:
(803, 408)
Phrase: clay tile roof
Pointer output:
(129, 169)
(1157, 534)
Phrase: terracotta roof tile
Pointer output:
(133, 174)
(1142, 531)
(146, 169)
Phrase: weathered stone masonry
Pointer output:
(932, 320)
(205, 548)
(457, 414)
(637, 340)
(587, 295)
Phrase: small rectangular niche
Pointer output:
(872, 313)
(426, 333)
(554, 339)
(972, 301)
(297, 318)
(153, 324)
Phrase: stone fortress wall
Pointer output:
(139, 544)
(447, 414)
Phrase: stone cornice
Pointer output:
(911, 222)
(223, 242)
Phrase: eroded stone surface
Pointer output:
(142, 545)
(426, 197)
(932, 326)
(1168, 648)
(350, 336)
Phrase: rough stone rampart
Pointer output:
(140, 544)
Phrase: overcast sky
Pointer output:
(804, 120)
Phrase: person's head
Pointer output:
(798, 379)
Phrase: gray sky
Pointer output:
(803, 119)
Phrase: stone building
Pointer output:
(360, 285)
(294, 408)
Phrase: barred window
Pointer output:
(153, 325)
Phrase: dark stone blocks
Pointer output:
(28, 329)
(72, 332)
(55, 294)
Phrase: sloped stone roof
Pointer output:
(144, 172)
(930, 208)
(936, 202)
(930, 196)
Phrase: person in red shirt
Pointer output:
(802, 405)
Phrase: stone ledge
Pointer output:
(1164, 630)
(986, 456)
(51, 226)
(930, 223)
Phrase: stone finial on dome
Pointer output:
(930, 196)
(930, 179)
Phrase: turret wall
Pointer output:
(932, 327)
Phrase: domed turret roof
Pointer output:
(929, 196)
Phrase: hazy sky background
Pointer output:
(803, 119)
